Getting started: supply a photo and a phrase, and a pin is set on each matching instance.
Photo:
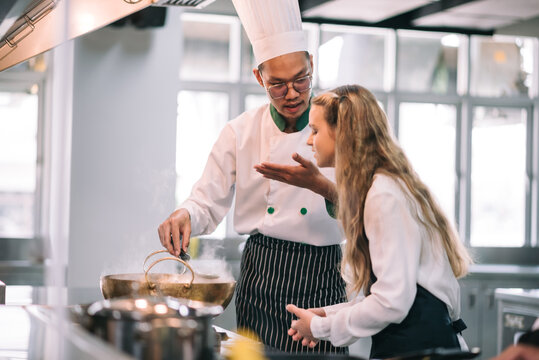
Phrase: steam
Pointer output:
(209, 258)
(209, 261)
(153, 201)
(130, 259)
(131, 245)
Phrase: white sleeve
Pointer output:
(211, 196)
(394, 245)
(333, 309)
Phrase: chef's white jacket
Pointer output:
(262, 206)
(403, 254)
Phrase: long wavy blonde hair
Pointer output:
(364, 146)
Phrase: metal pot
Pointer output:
(193, 286)
(156, 328)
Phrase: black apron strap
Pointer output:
(426, 326)
(459, 326)
(275, 273)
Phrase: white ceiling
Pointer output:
(364, 10)
(484, 14)
(480, 15)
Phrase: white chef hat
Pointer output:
(273, 27)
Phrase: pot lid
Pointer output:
(150, 307)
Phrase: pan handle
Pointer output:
(152, 286)
(157, 252)
(149, 256)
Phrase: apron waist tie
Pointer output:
(458, 326)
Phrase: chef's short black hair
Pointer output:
(306, 53)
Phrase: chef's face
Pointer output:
(322, 138)
(287, 69)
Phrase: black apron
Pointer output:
(426, 326)
(275, 273)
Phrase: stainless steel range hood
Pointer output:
(30, 27)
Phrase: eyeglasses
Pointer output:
(280, 90)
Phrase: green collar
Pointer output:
(280, 122)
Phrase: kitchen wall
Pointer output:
(125, 86)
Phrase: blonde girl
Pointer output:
(401, 251)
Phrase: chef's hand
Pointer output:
(301, 328)
(178, 223)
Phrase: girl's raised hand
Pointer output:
(302, 175)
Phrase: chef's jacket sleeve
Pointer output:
(394, 245)
(211, 196)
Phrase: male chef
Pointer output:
(292, 254)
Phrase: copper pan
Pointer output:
(218, 291)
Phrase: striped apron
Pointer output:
(277, 272)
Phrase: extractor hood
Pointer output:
(30, 27)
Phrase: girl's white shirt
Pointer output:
(245, 141)
(403, 255)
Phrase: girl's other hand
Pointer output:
(318, 311)
(301, 328)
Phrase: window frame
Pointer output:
(29, 248)
(529, 252)
(464, 103)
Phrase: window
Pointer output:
(498, 177)
(352, 55)
(473, 148)
(462, 108)
(501, 66)
(433, 155)
(18, 152)
(210, 44)
(22, 171)
(428, 62)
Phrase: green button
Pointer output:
(270, 210)
(303, 211)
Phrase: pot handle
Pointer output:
(149, 256)
(152, 286)
(157, 252)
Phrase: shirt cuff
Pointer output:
(195, 231)
(332, 309)
(321, 327)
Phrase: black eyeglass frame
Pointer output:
(308, 76)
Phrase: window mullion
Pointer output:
(533, 195)
(465, 170)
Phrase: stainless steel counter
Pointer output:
(40, 332)
(41, 295)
